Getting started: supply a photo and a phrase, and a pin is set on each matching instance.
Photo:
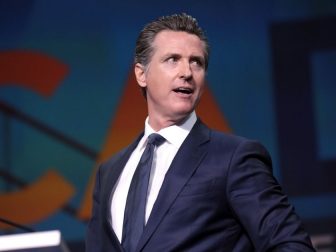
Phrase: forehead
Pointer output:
(178, 42)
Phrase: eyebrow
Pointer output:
(177, 55)
(168, 55)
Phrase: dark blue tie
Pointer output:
(134, 217)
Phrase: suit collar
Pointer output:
(176, 133)
(191, 152)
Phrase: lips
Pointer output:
(183, 90)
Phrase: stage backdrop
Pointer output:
(68, 99)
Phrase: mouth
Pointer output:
(183, 90)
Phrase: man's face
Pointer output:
(174, 77)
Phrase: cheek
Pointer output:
(160, 84)
(157, 90)
(156, 77)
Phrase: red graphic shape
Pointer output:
(33, 70)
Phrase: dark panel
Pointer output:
(292, 44)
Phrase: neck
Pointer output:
(161, 123)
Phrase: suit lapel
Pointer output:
(187, 159)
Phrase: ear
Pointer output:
(140, 74)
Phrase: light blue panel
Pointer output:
(324, 80)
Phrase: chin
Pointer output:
(184, 108)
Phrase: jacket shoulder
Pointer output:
(231, 142)
(120, 154)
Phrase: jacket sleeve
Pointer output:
(259, 204)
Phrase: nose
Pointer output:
(185, 70)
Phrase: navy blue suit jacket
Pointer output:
(219, 194)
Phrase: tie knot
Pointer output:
(155, 139)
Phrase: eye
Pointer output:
(197, 62)
(172, 59)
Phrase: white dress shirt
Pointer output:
(163, 156)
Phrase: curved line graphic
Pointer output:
(33, 70)
(37, 201)
(42, 74)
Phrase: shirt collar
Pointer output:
(174, 134)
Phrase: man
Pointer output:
(207, 191)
